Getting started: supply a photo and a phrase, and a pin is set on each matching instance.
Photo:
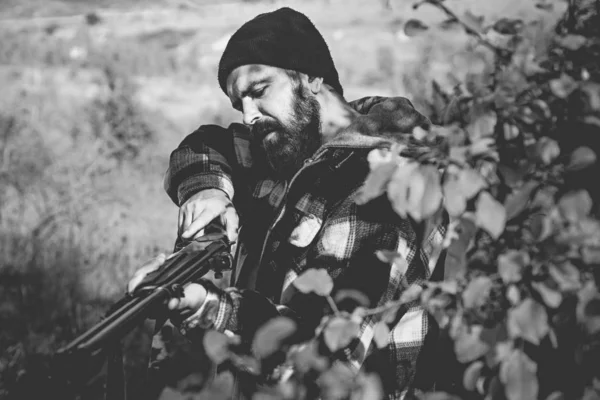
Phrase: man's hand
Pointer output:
(200, 209)
(193, 294)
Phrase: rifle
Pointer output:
(188, 264)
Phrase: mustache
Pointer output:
(261, 128)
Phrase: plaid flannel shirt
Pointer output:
(311, 222)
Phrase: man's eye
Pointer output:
(259, 92)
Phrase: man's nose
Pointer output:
(251, 113)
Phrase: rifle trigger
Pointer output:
(177, 290)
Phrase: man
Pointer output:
(290, 176)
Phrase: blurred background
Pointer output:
(95, 94)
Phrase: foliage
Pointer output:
(512, 162)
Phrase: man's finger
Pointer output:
(192, 299)
(232, 222)
(200, 222)
(180, 222)
(188, 217)
(173, 303)
(144, 270)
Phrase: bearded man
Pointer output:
(289, 174)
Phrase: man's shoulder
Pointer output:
(217, 136)
(233, 128)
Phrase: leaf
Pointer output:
(503, 351)
(495, 334)
(216, 345)
(398, 189)
(591, 93)
(419, 133)
(381, 334)
(337, 382)
(511, 264)
(546, 150)
(454, 200)
(389, 315)
(352, 294)
(582, 157)
(510, 131)
(470, 182)
(379, 157)
(588, 307)
(432, 197)
(314, 280)
(483, 126)
(490, 215)
(513, 295)
(517, 201)
(529, 321)
(472, 374)
(552, 298)
(590, 254)
(306, 357)
(219, 388)
(563, 87)
(411, 293)
(477, 292)
(339, 332)
(575, 205)
(376, 182)
(468, 346)
(369, 387)
(482, 146)
(456, 262)
(571, 42)
(508, 26)
(388, 256)
(268, 337)
(566, 275)
(414, 27)
(519, 375)
(545, 6)
(555, 396)
(591, 393)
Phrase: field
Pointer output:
(95, 95)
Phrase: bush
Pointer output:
(512, 161)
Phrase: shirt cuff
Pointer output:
(198, 182)
(214, 313)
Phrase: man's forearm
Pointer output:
(239, 311)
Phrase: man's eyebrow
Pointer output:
(253, 86)
(249, 90)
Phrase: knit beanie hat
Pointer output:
(283, 38)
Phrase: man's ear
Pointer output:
(315, 84)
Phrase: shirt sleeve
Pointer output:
(204, 160)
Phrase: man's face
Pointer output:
(282, 112)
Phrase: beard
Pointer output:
(293, 142)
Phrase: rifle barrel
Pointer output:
(161, 285)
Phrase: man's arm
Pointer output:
(206, 176)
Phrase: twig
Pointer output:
(333, 305)
(380, 309)
(437, 3)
